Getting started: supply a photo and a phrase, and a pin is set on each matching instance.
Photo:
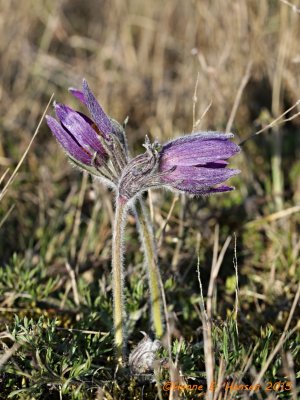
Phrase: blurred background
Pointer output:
(172, 67)
(143, 60)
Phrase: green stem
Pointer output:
(117, 280)
(148, 241)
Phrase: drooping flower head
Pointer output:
(194, 164)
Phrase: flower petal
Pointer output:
(96, 111)
(78, 94)
(116, 128)
(67, 141)
(80, 129)
(200, 148)
(199, 176)
(205, 190)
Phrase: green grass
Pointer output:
(65, 349)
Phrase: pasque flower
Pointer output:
(197, 163)
(77, 136)
(194, 164)
(88, 141)
(97, 143)
(105, 124)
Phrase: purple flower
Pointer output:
(78, 134)
(196, 163)
(104, 123)
(101, 120)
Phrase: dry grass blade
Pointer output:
(12, 177)
(72, 275)
(275, 216)
(84, 331)
(199, 120)
(163, 227)
(77, 216)
(293, 6)
(214, 273)
(208, 345)
(195, 99)
(206, 327)
(89, 233)
(4, 175)
(8, 354)
(235, 264)
(6, 216)
(280, 342)
(206, 315)
(179, 242)
(151, 208)
(168, 333)
(290, 372)
(274, 122)
(238, 96)
(196, 123)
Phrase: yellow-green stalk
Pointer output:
(150, 252)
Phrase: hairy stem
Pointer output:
(148, 241)
(117, 280)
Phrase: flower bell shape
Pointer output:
(197, 163)
(194, 164)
